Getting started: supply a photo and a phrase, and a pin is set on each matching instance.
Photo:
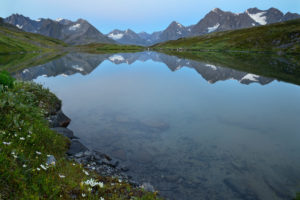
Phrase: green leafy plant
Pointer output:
(6, 79)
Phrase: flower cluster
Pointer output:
(93, 183)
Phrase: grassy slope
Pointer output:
(269, 65)
(25, 142)
(283, 36)
(16, 41)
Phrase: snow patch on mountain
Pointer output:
(258, 17)
(116, 58)
(74, 27)
(19, 27)
(59, 19)
(213, 28)
(116, 36)
(180, 25)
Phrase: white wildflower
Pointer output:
(24, 165)
(28, 136)
(22, 138)
(44, 168)
(16, 135)
(101, 198)
(38, 169)
(120, 180)
(86, 173)
(38, 153)
(83, 195)
(7, 143)
(61, 176)
(93, 183)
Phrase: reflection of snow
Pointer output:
(116, 58)
(211, 66)
(78, 68)
(250, 77)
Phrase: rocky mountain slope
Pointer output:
(282, 37)
(75, 33)
(14, 40)
(215, 21)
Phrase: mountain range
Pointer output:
(82, 32)
(216, 20)
(74, 33)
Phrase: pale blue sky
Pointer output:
(138, 15)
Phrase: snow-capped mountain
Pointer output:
(174, 31)
(219, 20)
(126, 37)
(215, 20)
(82, 32)
(76, 33)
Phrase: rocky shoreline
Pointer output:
(96, 161)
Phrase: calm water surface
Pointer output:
(192, 129)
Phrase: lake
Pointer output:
(194, 129)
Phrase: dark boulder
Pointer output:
(59, 120)
(65, 132)
(76, 147)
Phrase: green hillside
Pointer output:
(108, 48)
(279, 37)
(13, 40)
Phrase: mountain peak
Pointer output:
(175, 24)
(253, 10)
(217, 10)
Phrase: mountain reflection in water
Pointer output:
(86, 63)
(190, 138)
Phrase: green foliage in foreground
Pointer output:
(109, 48)
(279, 37)
(16, 41)
(6, 79)
(25, 143)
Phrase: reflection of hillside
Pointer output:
(86, 63)
(67, 65)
